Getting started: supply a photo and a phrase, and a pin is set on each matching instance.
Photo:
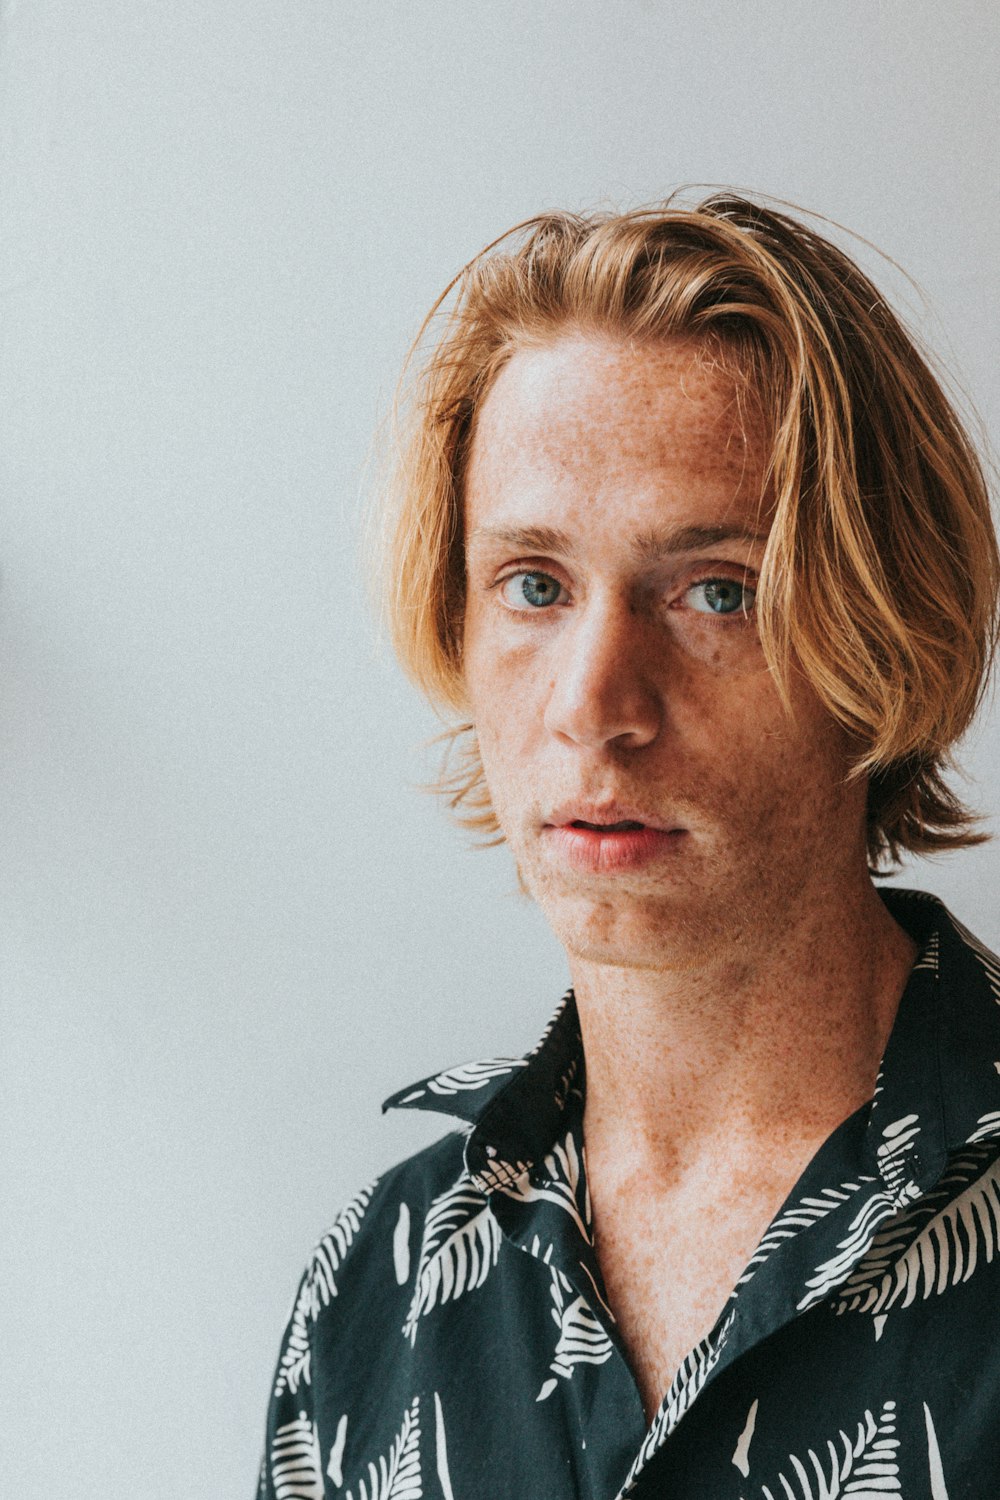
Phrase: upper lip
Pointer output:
(605, 812)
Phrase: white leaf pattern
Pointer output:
(556, 1016)
(335, 1463)
(441, 1451)
(987, 1127)
(332, 1248)
(461, 1242)
(891, 1252)
(741, 1453)
(566, 1184)
(498, 1175)
(401, 1244)
(893, 1154)
(397, 1475)
(864, 1467)
(318, 1287)
(850, 1250)
(293, 1367)
(473, 1075)
(939, 1490)
(907, 1261)
(684, 1390)
(582, 1339)
(894, 1151)
(803, 1215)
(930, 957)
(693, 1373)
(295, 1461)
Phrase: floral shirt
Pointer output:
(451, 1338)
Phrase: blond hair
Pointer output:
(881, 574)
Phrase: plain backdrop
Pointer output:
(230, 923)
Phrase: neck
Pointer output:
(776, 1035)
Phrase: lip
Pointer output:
(607, 812)
(594, 851)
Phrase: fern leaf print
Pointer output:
(861, 1233)
(295, 1461)
(397, 1474)
(803, 1215)
(564, 1184)
(318, 1287)
(987, 1126)
(684, 1390)
(461, 1242)
(582, 1339)
(862, 1465)
(293, 1367)
(903, 1265)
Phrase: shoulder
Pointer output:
(357, 1274)
(370, 1237)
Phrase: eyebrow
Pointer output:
(650, 546)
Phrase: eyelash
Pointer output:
(747, 582)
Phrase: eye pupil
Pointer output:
(723, 595)
(539, 589)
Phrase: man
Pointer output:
(690, 541)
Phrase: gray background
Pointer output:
(229, 923)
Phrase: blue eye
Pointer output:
(530, 590)
(721, 596)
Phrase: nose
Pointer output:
(603, 691)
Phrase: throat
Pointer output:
(780, 1050)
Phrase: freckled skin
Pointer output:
(735, 995)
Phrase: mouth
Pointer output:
(626, 825)
(609, 839)
(607, 816)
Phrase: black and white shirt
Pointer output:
(451, 1338)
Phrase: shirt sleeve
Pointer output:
(291, 1461)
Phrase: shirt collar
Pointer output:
(514, 1105)
(941, 1064)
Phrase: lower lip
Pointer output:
(607, 853)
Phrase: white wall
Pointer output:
(228, 923)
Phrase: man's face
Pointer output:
(615, 521)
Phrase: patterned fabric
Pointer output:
(450, 1339)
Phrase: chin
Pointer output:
(633, 929)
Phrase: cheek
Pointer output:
(798, 766)
(738, 735)
(506, 749)
(508, 783)
(509, 724)
(506, 686)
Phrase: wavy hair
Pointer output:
(881, 574)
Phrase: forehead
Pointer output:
(588, 418)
